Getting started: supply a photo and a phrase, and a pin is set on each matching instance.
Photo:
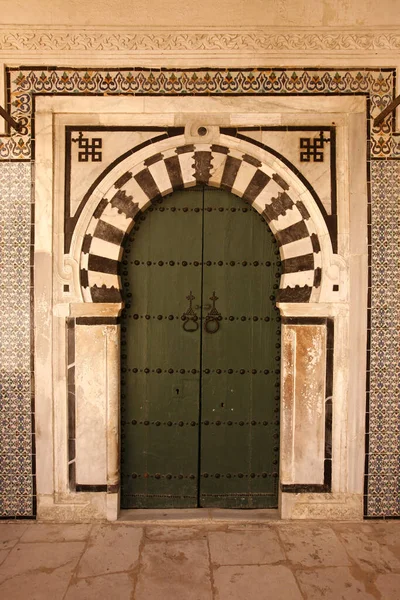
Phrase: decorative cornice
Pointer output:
(44, 39)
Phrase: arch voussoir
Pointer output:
(217, 165)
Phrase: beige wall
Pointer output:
(194, 13)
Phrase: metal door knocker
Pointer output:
(189, 317)
(211, 322)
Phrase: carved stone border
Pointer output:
(74, 39)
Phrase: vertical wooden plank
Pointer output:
(240, 361)
(160, 360)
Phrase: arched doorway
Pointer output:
(200, 349)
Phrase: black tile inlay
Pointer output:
(292, 233)
(84, 278)
(108, 232)
(174, 171)
(105, 294)
(125, 204)
(100, 208)
(278, 206)
(90, 488)
(304, 320)
(302, 210)
(231, 168)
(328, 428)
(315, 243)
(331, 223)
(91, 148)
(71, 449)
(202, 166)
(281, 182)
(152, 160)
(296, 294)
(298, 263)
(72, 475)
(146, 181)
(185, 149)
(327, 473)
(103, 264)
(70, 341)
(317, 277)
(87, 240)
(113, 489)
(252, 161)
(304, 488)
(256, 186)
(220, 149)
(97, 320)
(123, 180)
(71, 415)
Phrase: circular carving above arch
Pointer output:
(277, 195)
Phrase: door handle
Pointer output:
(189, 318)
(213, 318)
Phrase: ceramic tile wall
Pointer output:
(384, 400)
(16, 443)
(382, 483)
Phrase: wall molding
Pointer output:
(24, 38)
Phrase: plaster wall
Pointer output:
(337, 34)
(230, 13)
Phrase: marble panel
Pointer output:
(91, 390)
(303, 401)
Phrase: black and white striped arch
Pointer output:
(185, 166)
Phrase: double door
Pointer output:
(200, 356)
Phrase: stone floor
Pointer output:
(200, 561)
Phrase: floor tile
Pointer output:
(10, 533)
(368, 553)
(255, 583)
(39, 571)
(102, 587)
(174, 571)
(111, 548)
(245, 547)
(56, 533)
(389, 586)
(167, 534)
(387, 533)
(312, 545)
(332, 583)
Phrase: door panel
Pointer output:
(240, 362)
(200, 241)
(160, 361)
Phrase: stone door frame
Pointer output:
(72, 337)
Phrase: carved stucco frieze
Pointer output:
(39, 39)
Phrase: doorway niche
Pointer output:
(80, 246)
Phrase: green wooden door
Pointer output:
(200, 356)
